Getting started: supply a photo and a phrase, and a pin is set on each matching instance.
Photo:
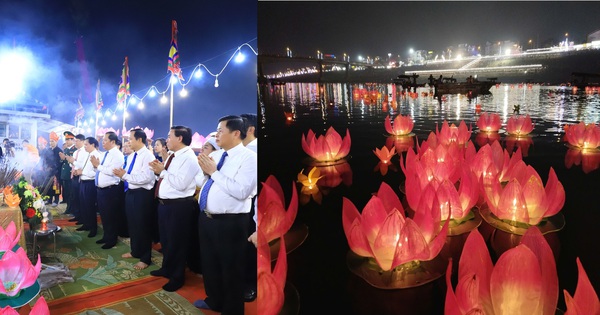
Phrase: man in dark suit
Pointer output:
(53, 166)
(65, 169)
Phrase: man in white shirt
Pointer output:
(87, 188)
(224, 201)
(139, 198)
(76, 161)
(110, 190)
(177, 208)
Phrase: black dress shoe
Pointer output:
(100, 241)
(108, 246)
(249, 295)
(158, 273)
(92, 234)
(172, 286)
(82, 228)
(73, 220)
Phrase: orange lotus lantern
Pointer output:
(271, 283)
(385, 159)
(272, 216)
(589, 160)
(326, 148)
(583, 136)
(309, 185)
(524, 199)
(519, 125)
(402, 126)
(585, 300)
(489, 122)
(523, 281)
(382, 232)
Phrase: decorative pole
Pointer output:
(171, 119)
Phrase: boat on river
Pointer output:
(471, 87)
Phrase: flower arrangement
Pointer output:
(32, 201)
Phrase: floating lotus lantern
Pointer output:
(385, 159)
(274, 220)
(386, 240)
(523, 281)
(583, 136)
(585, 300)
(9, 237)
(434, 163)
(589, 160)
(519, 125)
(489, 122)
(271, 284)
(402, 126)
(450, 133)
(326, 148)
(523, 201)
(309, 185)
(17, 272)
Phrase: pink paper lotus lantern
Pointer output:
(274, 220)
(402, 126)
(489, 122)
(524, 198)
(149, 133)
(385, 158)
(383, 232)
(519, 125)
(197, 141)
(17, 272)
(9, 237)
(271, 284)
(438, 163)
(326, 148)
(583, 136)
(585, 300)
(39, 308)
(523, 281)
(450, 133)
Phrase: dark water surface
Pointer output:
(317, 268)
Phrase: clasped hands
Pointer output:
(207, 164)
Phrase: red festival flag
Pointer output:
(99, 102)
(173, 64)
(124, 84)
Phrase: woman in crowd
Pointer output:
(160, 149)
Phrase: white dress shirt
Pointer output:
(235, 183)
(114, 159)
(253, 145)
(141, 175)
(178, 181)
(88, 171)
(81, 155)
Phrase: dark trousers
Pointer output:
(140, 207)
(54, 197)
(74, 206)
(175, 222)
(66, 193)
(223, 241)
(251, 259)
(88, 203)
(110, 206)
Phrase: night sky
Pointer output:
(379, 28)
(209, 33)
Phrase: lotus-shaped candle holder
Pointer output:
(588, 159)
(271, 283)
(489, 122)
(451, 133)
(523, 281)
(402, 126)
(272, 216)
(583, 136)
(386, 244)
(327, 148)
(309, 186)
(524, 201)
(585, 300)
(17, 273)
(519, 125)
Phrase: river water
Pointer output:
(318, 274)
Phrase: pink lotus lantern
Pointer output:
(9, 237)
(403, 125)
(519, 125)
(585, 300)
(326, 148)
(524, 199)
(271, 284)
(274, 220)
(197, 141)
(489, 122)
(149, 133)
(438, 163)
(583, 136)
(451, 133)
(17, 272)
(589, 160)
(385, 158)
(523, 281)
(383, 233)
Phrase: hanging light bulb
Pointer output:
(216, 82)
(152, 92)
(120, 106)
(198, 73)
(163, 99)
(240, 57)
(106, 113)
(173, 79)
(132, 101)
(103, 122)
(114, 117)
(183, 92)
(141, 105)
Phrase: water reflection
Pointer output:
(589, 160)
